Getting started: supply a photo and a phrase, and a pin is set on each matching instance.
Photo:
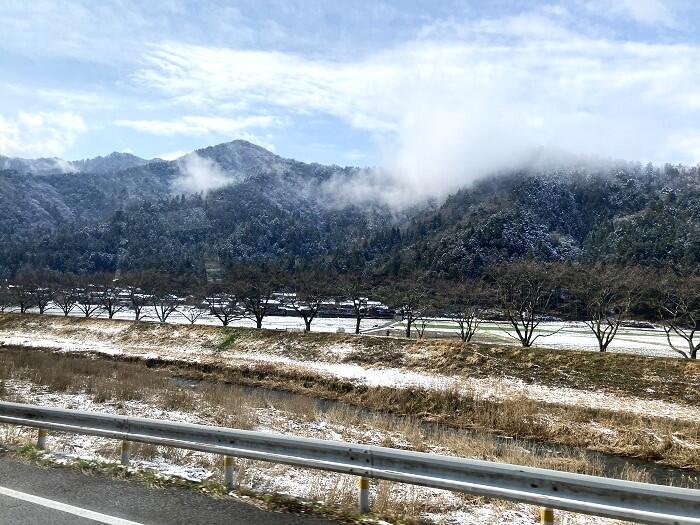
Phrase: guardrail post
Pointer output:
(125, 452)
(41, 440)
(229, 473)
(364, 495)
(546, 516)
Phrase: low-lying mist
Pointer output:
(200, 175)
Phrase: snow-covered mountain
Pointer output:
(110, 163)
(240, 203)
(60, 192)
(53, 165)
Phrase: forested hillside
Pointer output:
(270, 209)
(626, 215)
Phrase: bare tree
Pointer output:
(679, 309)
(308, 296)
(256, 303)
(42, 298)
(88, 300)
(135, 284)
(21, 296)
(525, 290)
(467, 320)
(65, 299)
(110, 301)
(31, 291)
(225, 307)
(5, 299)
(409, 297)
(356, 289)
(158, 288)
(64, 295)
(138, 300)
(164, 305)
(192, 313)
(464, 300)
(421, 324)
(192, 309)
(604, 294)
(254, 287)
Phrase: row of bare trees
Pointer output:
(246, 293)
(522, 294)
(526, 293)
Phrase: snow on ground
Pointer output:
(488, 388)
(495, 388)
(272, 322)
(443, 507)
(65, 344)
(568, 336)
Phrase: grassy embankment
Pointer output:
(654, 438)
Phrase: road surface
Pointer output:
(33, 495)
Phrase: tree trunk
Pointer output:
(357, 325)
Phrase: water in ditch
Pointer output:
(605, 464)
(612, 466)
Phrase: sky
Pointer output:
(414, 86)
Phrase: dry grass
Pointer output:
(342, 492)
(655, 439)
(669, 379)
(406, 505)
(625, 434)
(228, 405)
(116, 381)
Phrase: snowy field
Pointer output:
(568, 336)
(433, 505)
(176, 343)
(290, 322)
(329, 361)
(565, 335)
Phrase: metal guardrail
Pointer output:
(639, 502)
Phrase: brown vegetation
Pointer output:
(656, 439)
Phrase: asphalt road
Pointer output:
(65, 496)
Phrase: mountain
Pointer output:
(626, 215)
(109, 164)
(238, 203)
(265, 207)
(42, 166)
(53, 166)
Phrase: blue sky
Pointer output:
(461, 85)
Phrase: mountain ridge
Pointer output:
(267, 208)
(115, 161)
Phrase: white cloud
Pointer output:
(172, 155)
(199, 174)
(449, 110)
(684, 143)
(646, 12)
(39, 134)
(197, 125)
(461, 99)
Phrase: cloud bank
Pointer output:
(39, 133)
(198, 174)
(448, 93)
(466, 99)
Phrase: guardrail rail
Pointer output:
(548, 489)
